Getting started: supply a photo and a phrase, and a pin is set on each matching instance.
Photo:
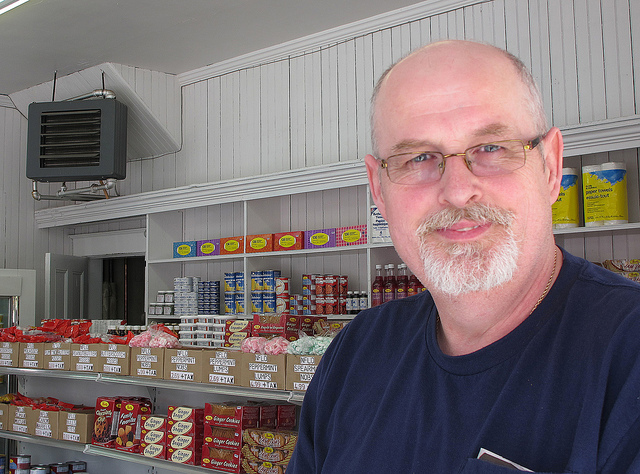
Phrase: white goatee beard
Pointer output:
(459, 268)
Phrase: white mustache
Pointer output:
(479, 213)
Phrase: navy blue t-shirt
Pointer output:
(559, 394)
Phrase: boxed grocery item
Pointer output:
(230, 245)
(4, 417)
(114, 359)
(379, 227)
(253, 467)
(207, 247)
(221, 366)
(57, 355)
(267, 454)
(269, 324)
(259, 243)
(226, 460)
(45, 422)
(276, 439)
(85, 357)
(151, 422)
(286, 417)
(179, 413)
(76, 425)
(265, 371)
(183, 364)
(268, 416)
(352, 235)
(224, 438)
(129, 424)
(288, 240)
(157, 451)
(147, 362)
(31, 355)
(232, 415)
(300, 370)
(105, 423)
(18, 419)
(185, 456)
(320, 238)
(184, 249)
(9, 354)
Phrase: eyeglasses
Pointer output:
(487, 159)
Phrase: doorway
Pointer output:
(123, 284)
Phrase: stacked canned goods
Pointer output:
(324, 294)
(21, 464)
(234, 293)
(263, 291)
(185, 295)
(208, 297)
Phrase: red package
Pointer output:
(105, 422)
(129, 424)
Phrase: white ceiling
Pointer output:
(172, 36)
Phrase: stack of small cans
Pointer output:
(185, 296)
(234, 293)
(209, 297)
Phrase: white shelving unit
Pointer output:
(162, 392)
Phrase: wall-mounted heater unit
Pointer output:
(77, 140)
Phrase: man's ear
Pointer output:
(553, 149)
(373, 172)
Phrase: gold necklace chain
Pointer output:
(548, 287)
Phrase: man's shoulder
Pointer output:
(595, 275)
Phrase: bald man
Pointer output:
(520, 354)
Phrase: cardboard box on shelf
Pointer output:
(114, 359)
(85, 357)
(183, 364)
(288, 240)
(184, 249)
(231, 245)
(4, 416)
(31, 355)
(351, 235)
(45, 423)
(300, 370)
(76, 425)
(147, 362)
(259, 243)
(222, 367)
(265, 371)
(57, 356)
(18, 419)
(9, 354)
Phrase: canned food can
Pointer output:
(306, 279)
(229, 281)
(239, 276)
(344, 284)
(331, 285)
(282, 304)
(331, 305)
(230, 303)
(59, 468)
(39, 469)
(257, 281)
(269, 302)
(77, 466)
(269, 280)
(240, 304)
(282, 286)
(256, 302)
(20, 461)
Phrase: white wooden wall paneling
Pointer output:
(330, 150)
(590, 61)
(634, 12)
(297, 112)
(347, 96)
(214, 130)
(364, 87)
(563, 63)
(228, 109)
(616, 30)
(250, 111)
(517, 13)
(313, 109)
(539, 45)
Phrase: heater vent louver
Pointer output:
(76, 141)
(70, 139)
